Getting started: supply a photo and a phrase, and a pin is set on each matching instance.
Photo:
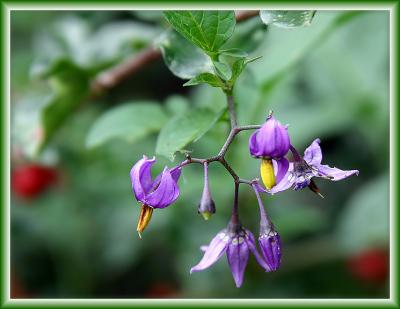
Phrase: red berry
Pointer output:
(370, 266)
(29, 181)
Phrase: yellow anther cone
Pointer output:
(144, 219)
(267, 173)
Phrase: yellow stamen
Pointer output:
(267, 173)
(144, 219)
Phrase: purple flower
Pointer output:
(269, 239)
(270, 244)
(158, 193)
(270, 141)
(237, 242)
(302, 170)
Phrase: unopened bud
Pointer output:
(144, 218)
(207, 206)
(267, 173)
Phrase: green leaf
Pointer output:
(237, 68)
(234, 52)
(130, 122)
(71, 86)
(176, 104)
(287, 19)
(184, 59)
(184, 129)
(223, 70)
(365, 220)
(207, 29)
(205, 78)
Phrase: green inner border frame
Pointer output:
(6, 6)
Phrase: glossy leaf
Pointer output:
(287, 19)
(130, 122)
(184, 129)
(207, 29)
(205, 78)
(184, 59)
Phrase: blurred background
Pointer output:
(73, 214)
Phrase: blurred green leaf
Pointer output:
(184, 129)
(70, 87)
(364, 222)
(282, 49)
(207, 29)
(223, 70)
(130, 122)
(205, 78)
(184, 59)
(176, 104)
(287, 19)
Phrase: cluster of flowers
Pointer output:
(271, 143)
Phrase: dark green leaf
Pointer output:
(184, 59)
(223, 70)
(287, 19)
(207, 29)
(184, 129)
(130, 122)
(205, 78)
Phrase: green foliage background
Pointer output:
(328, 80)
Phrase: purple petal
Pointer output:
(282, 166)
(214, 251)
(251, 243)
(271, 140)
(334, 173)
(253, 146)
(313, 154)
(141, 177)
(285, 183)
(176, 173)
(270, 245)
(238, 256)
(166, 192)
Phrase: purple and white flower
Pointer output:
(237, 243)
(303, 169)
(153, 193)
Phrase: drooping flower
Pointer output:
(270, 142)
(237, 242)
(301, 171)
(269, 239)
(158, 193)
(207, 206)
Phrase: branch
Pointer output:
(115, 75)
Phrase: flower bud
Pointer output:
(270, 141)
(206, 206)
(270, 244)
